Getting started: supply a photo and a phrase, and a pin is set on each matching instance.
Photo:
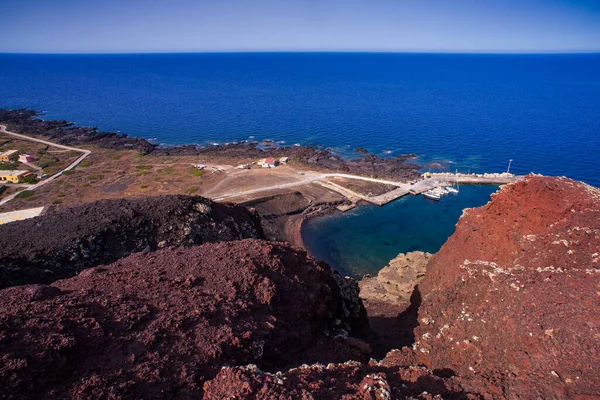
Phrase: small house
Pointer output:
(284, 160)
(270, 162)
(26, 158)
(13, 176)
(10, 155)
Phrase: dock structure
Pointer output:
(385, 198)
(432, 181)
(445, 179)
(401, 188)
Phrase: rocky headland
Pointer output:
(512, 300)
(509, 308)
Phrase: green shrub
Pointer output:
(168, 170)
(31, 179)
(61, 195)
(69, 172)
(46, 160)
(143, 186)
(143, 172)
(58, 201)
(195, 171)
(8, 167)
(31, 198)
(191, 190)
(85, 164)
(143, 166)
(95, 177)
(24, 194)
(85, 185)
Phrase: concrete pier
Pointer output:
(435, 180)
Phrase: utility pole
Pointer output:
(508, 169)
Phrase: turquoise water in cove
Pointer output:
(365, 239)
(467, 111)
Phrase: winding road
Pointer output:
(403, 187)
(311, 179)
(53, 177)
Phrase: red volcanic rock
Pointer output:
(158, 325)
(350, 380)
(512, 300)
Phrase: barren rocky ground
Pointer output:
(508, 309)
(512, 301)
(158, 325)
(61, 244)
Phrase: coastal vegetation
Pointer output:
(24, 194)
(194, 171)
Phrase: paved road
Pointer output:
(311, 179)
(53, 177)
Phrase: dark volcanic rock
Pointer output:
(59, 245)
(25, 121)
(159, 325)
(512, 300)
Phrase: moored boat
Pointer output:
(432, 195)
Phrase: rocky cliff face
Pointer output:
(159, 325)
(59, 245)
(512, 300)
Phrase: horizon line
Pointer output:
(450, 52)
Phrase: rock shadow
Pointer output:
(394, 327)
(408, 320)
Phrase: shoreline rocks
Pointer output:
(396, 282)
(25, 121)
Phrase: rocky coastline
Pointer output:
(67, 133)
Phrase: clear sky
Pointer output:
(101, 26)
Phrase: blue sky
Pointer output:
(100, 26)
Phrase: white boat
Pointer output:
(432, 195)
(451, 189)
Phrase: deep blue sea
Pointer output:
(470, 111)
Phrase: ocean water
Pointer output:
(468, 111)
(363, 240)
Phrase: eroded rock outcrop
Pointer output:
(396, 282)
(59, 245)
(512, 300)
(391, 301)
(159, 325)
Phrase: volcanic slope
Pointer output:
(512, 300)
(59, 245)
(159, 325)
